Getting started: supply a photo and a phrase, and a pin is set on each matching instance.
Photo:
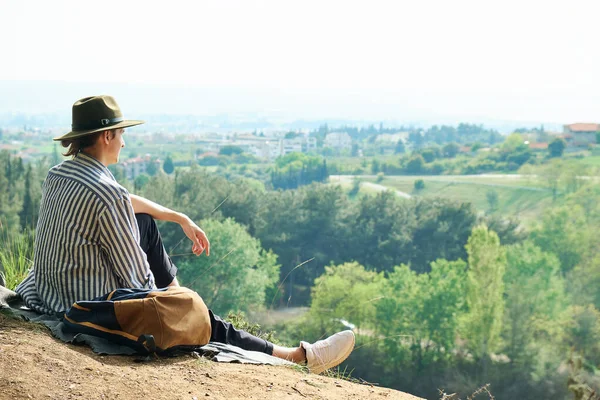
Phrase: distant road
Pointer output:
(454, 179)
(375, 186)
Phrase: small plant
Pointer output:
(576, 382)
(419, 184)
(16, 255)
(485, 389)
(239, 320)
(380, 177)
(338, 373)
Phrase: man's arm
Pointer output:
(120, 239)
(191, 230)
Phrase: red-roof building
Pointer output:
(538, 146)
(582, 128)
(581, 134)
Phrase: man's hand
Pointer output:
(192, 231)
(197, 236)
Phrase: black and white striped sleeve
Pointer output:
(119, 237)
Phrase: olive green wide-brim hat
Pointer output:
(96, 114)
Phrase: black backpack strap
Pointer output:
(148, 342)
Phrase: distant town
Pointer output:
(146, 152)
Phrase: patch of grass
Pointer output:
(343, 374)
(299, 368)
(201, 362)
(485, 390)
(16, 255)
(6, 314)
(12, 320)
(240, 321)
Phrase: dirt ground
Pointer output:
(34, 365)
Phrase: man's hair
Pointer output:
(74, 146)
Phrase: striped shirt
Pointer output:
(87, 239)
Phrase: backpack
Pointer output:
(147, 320)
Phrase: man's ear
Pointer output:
(106, 137)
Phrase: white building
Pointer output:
(300, 144)
(268, 149)
(138, 165)
(338, 140)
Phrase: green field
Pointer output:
(523, 197)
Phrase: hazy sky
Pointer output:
(519, 60)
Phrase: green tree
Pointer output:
(419, 184)
(582, 333)
(443, 304)
(425, 309)
(400, 147)
(484, 291)
(238, 273)
(557, 147)
(346, 291)
(428, 155)
(492, 199)
(151, 168)
(385, 226)
(398, 315)
(208, 160)
(140, 181)
(118, 172)
(375, 167)
(298, 169)
(450, 150)
(438, 228)
(535, 300)
(476, 146)
(168, 166)
(356, 182)
(416, 139)
(514, 142)
(550, 176)
(415, 165)
(562, 231)
(230, 150)
(10, 204)
(571, 176)
(30, 210)
(584, 281)
(56, 158)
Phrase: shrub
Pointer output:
(415, 164)
(16, 259)
(355, 187)
(419, 184)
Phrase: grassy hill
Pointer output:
(518, 196)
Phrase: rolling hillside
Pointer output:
(518, 195)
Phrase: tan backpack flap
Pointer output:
(175, 317)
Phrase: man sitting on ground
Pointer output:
(93, 237)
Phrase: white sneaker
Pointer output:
(328, 353)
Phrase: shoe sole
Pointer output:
(340, 360)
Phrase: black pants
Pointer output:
(165, 271)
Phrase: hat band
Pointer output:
(100, 123)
